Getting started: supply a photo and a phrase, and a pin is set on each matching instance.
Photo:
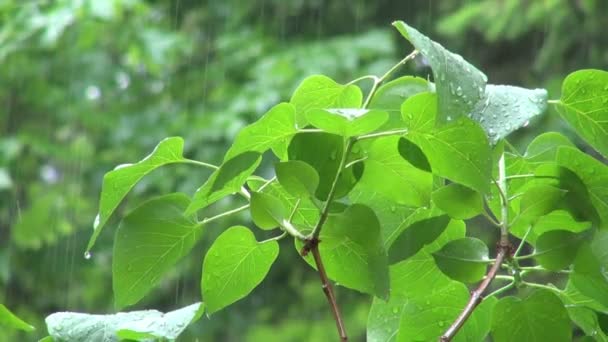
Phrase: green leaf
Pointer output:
(503, 109)
(267, 211)
(556, 249)
(416, 235)
(544, 147)
(234, 265)
(389, 174)
(458, 201)
(347, 122)
(276, 127)
(323, 151)
(459, 84)
(539, 317)
(320, 91)
(538, 201)
(297, 177)
(352, 251)
(592, 173)
(149, 241)
(587, 320)
(598, 246)
(226, 180)
(463, 260)
(391, 95)
(419, 112)
(556, 220)
(589, 275)
(73, 326)
(459, 152)
(10, 320)
(572, 297)
(584, 105)
(117, 183)
(413, 155)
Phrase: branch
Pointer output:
(381, 79)
(329, 293)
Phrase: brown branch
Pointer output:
(327, 289)
(504, 251)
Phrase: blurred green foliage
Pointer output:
(86, 85)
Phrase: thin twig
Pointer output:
(224, 214)
(381, 79)
(383, 134)
(329, 293)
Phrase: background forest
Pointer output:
(86, 85)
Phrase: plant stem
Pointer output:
(501, 290)
(522, 242)
(554, 101)
(329, 293)
(528, 175)
(383, 78)
(276, 238)
(371, 77)
(224, 214)
(200, 163)
(383, 134)
(541, 286)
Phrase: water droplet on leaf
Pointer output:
(87, 255)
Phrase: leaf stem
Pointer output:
(522, 242)
(529, 175)
(541, 286)
(200, 163)
(554, 101)
(382, 134)
(371, 77)
(224, 214)
(276, 238)
(383, 78)
(501, 290)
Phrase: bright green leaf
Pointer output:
(234, 265)
(587, 320)
(117, 183)
(556, 249)
(149, 241)
(463, 260)
(347, 122)
(73, 326)
(297, 177)
(10, 320)
(391, 95)
(556, 220)
(544, 147)
(538, 201)
(589, 275)
(540, 317)
(584, 105)
(458, 201)
(416, 235)
(419, 112)
(267, 211)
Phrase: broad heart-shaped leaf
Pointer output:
(148, 243)
(459, 152)
(74, 326)
(459, 85)
(419, 112)
(352, 251)
(504, 109)
(10, 320)
(391, 95)
(389, 174)
(572, 297)
(347, 122)
(556, 220)
(319, 91)
(464, 259)
(117, 183)
(277, 126)
(556, 249)
(544, 147)
(592, 173)
(323, 151)
(539, 317)
(422, 229)
(589, 275)
(226, 180)
(584, 105)
(587, 320)
(234, 265)
(537, 201)
(267, 211)
(297, 177)
(458, 201)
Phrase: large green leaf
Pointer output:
(538, 201)
(148, 243)
(347, 122)
(556, 249)
(589, 275)
(276, 127)
(352, 251)
(539, 317)
(117, 183)
(544, 147)
(418, 231)
(297, 178)
(459, 84)
(572, 297)
(419, 112)
(267, 211)
(234, 265)
(464, 259)
(459, 152)
(458, 201)
(592, 173)
(391, 95)
(10, 320)
(75, 327)
(226, 180)
(556, 220)
(389, 174)
(319, 91)
(584, 105)
(587, 320)
(503, 109)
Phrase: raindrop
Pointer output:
(441, 323)
(459, 91)
(333, 155)
(526, 123)
(606, 87)
(395, 311)
(449, 118)
(87, 255)
(92, 93)
(393, 209)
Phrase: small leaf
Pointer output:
(117, 183)
(587, 320)
(297, 177)
(149, 241)
(277, 126)
(226, 180)
(391, 95)
(458, 201)
(320, 91)
(538, 201)
(347, 122)
(584, 105)
(234, 265)
(538, 318)
(590, 276)
(73, 326)
(416, 235)
(267, 211)
(419, 112)
(10, 320)
(544, 147)
(556, 249)
(463, 260)
(556, 220)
